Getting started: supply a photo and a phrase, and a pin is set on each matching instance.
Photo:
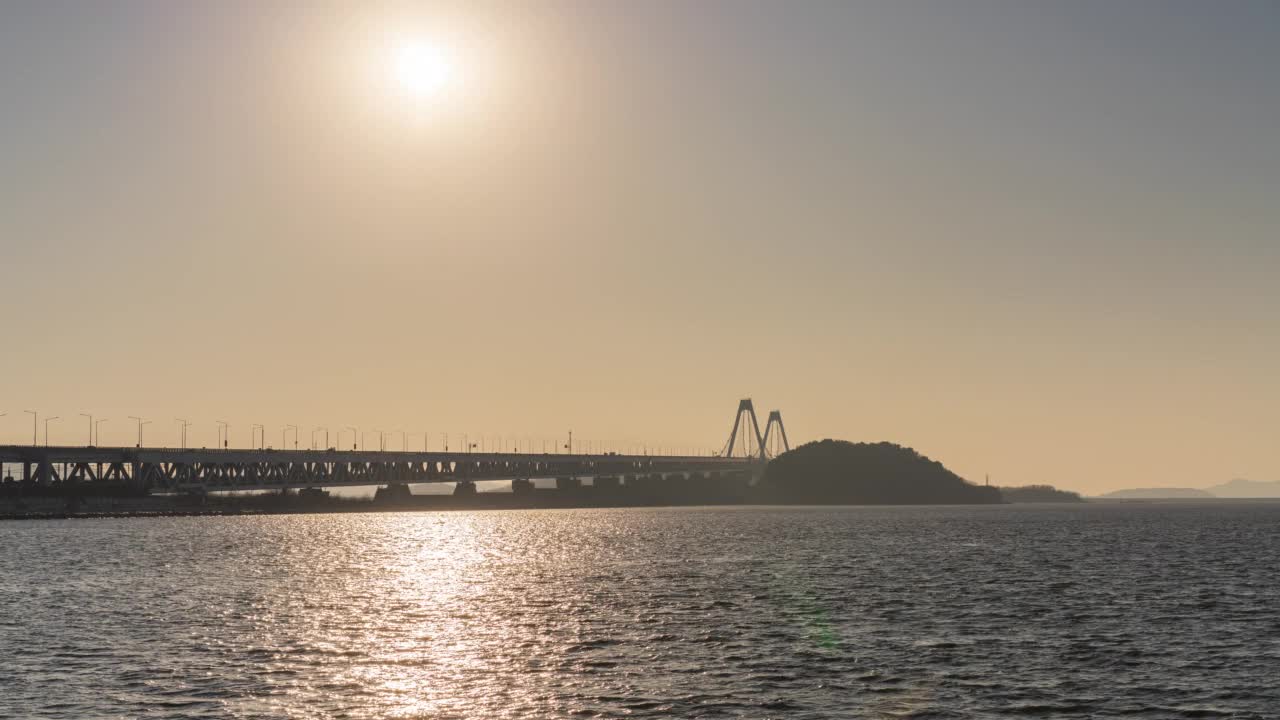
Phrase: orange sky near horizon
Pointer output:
(1033, 243)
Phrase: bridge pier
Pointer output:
(522, 486)
(464, 488)
(568, 483)
(393, 493)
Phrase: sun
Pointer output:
(422, 70)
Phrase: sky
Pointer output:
(1032, 240)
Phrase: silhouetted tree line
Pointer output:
(837, 471)
(1039, 493)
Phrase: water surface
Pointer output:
(1133, 610)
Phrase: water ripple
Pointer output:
(1137, 611)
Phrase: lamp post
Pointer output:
(87, 415)
(224, 433)
(294, 428)
(138, 420)
(185, 424)
(326, 436)
(97, 430)
(253, 431)
(355, 437)
(46, 428)
(35, 422)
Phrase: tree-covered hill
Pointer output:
(836, 471)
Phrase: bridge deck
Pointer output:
(231, 469)
(61, 453)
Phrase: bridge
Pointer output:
(228, 469)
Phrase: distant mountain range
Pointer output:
(1241, 488)
(1238, 488)
(1157, 494)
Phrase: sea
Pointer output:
(1134, 610)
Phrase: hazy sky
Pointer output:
(1032, 239)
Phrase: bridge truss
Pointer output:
(209, 470)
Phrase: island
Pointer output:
(1167, 493)
(883, 473)
(1242, 489)
(1039, 494)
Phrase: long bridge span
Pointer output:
(227, 469)
(172, 470)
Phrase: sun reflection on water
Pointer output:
(643, 613)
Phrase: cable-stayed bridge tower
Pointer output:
(775, 435)
(747, 440)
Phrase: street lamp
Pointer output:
(355, 437)
(253, 431)
(97, 430)
(46, 428)
(224, 433)
(185, 424)
(140, 424)
(35, 422)
(294, 428)
(87, 415)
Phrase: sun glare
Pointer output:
(422, 70)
